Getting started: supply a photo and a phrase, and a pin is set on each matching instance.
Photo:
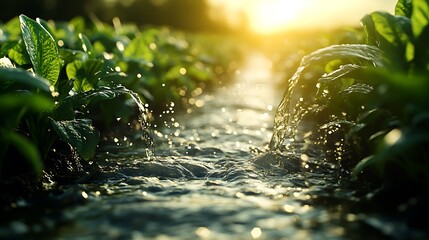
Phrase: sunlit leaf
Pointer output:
(41, 48)
(139, 48)
(80, 134)
(392, 34)
(420, 16)
(11, 28)
(18, 53)
(394, 29)
(403, 8)
(84, 73)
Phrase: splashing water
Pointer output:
(298, 100)
(147, 134)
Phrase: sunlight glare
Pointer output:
(269, 16)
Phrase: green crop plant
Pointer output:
(68, 68)
(368, 102)
(44, 97)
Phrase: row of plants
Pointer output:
(62, 82)
(368, 102)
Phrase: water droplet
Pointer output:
(84, 195)
(120, 46)
(203, 232)
(152, 46)
(256, 233)
(288, 208)
(183, 71)
(393, 137)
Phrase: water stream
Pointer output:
(210, 179)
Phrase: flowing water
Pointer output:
(210, 179)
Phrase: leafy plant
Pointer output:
(58, 72)
(373, 96)
(43, 107)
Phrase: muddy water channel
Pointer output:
(209, 179)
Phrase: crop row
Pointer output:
(368, 102)
(58, 80)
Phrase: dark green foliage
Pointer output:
(54, 75)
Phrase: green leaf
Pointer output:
(85, 44)
(394, 29)
(33, 102)
(45, 25)
(65, 109)
(80, 134)
(363, 164)
(139, 48)
(41, 48)
(84, 73)
(11, 28)
(403, 8)
(78, 24)
(393, 34)
(19, 54)
(28, 150)
(20, 79)
(420, 16)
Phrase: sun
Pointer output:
(268, 16)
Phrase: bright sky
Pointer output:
(266, 16)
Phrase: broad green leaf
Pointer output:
(11, 28)
(41, 48)
(394, 29)
(78, 24)
(392, 34)
(6, 46)
(45, 25)
(21, 79)
(403, 8)
(28, 150)
(84, 73)
(391, 153)
(19, 54)
(139, 48)
(80, 134)
(420, 16)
